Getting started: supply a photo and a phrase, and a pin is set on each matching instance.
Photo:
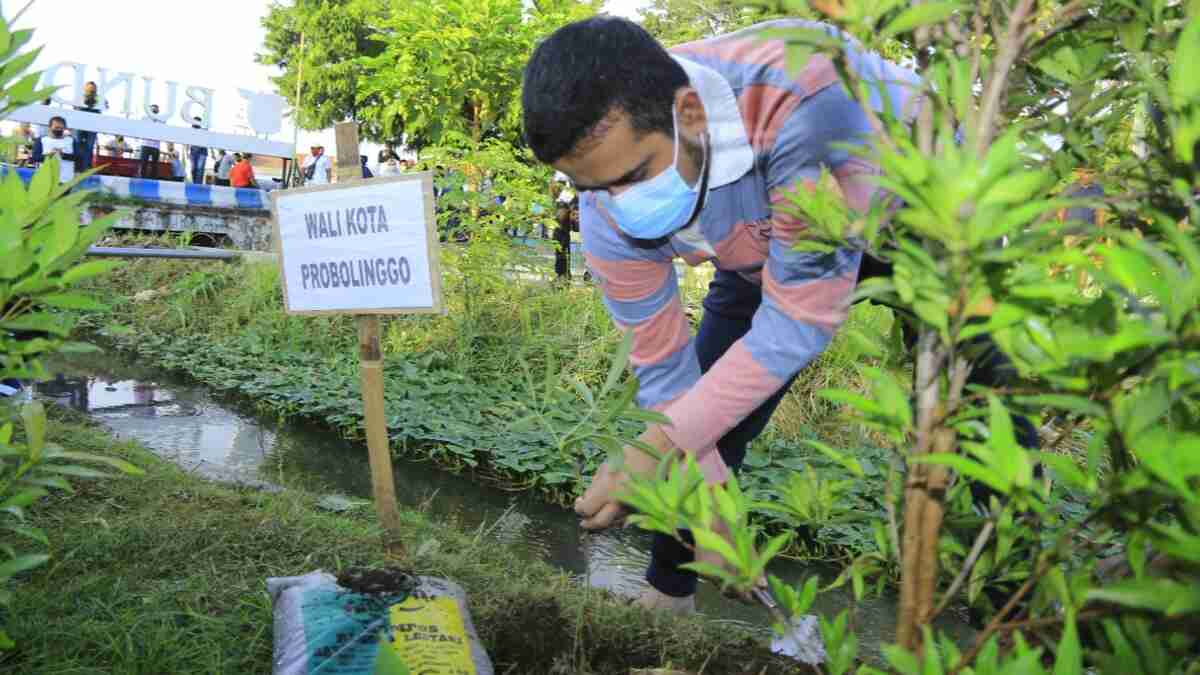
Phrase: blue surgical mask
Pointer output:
(660, 206)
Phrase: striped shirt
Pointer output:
(772, 130)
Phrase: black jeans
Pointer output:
(150, 158)
(728, 310)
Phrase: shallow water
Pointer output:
(183, 422)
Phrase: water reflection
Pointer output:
(182, 423)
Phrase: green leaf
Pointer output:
(1076, 404)
(916, 16)
(1065, 468)
(72, 301)
(72, 470)
(24, 497)
(34, 417)
(902, 660)
(118, 464)
(847, 462)
(707, 539)
(38, 322)
(967, 467)
(1185, 66)
(29, 533)
(620, 359)
(21, 564)
(89, 269)
(1153, 594)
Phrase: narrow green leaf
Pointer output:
(72, 470)
(88, 269)
(21, 564)
(967, 467)
(29, 533)
(34, 417)
(72, 301)
(620, 359)
(916, 16)
(118, 464)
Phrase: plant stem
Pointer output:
(977, 550)
(998, 620)
(997, 82)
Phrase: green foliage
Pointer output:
(336, 34)
(42, 245)
(677, 21)
(454, 67)
(1100, 325)
(30, 468)
(131, 598)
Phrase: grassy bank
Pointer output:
(165, 573)
(454, 383)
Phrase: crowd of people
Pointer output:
(80, 150)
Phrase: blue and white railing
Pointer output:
(168, 192)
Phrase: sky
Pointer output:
(210, 43)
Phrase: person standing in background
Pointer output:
(224, 165)
(177, 173)
(151, 153)
(391, 167)
(61, 144)
(242, 174)
(85, 141)
(317, 168)
(198, 154)
(117, 147)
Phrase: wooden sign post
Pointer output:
(364, 248)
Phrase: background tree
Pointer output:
(450, 71)
(336, 34)
(677, 21)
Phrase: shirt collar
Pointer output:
(732, 156)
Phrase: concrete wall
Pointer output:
(247, 229)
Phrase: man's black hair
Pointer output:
(587, 69)
(59, 118)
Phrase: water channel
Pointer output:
(185, 423)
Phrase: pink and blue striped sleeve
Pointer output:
(641, 292)
(805, 295)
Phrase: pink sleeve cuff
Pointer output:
(708, 459)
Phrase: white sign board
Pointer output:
(367, 247)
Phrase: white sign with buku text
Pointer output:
(366, 247)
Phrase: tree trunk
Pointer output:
(923, 508)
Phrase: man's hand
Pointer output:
(598, 506)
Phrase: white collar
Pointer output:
(732, 155)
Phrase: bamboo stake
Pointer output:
(370, 355)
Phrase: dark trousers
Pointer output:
(562, 252)
(150, 159)
(85, 149)
(199, 161)
(223, 182)
(728, 310)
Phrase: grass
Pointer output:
(165, 573)
(455, 383)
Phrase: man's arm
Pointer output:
(805, 295)
(641, 292)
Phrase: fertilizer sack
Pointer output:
(373, 623)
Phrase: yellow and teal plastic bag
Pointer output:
(375, 622)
